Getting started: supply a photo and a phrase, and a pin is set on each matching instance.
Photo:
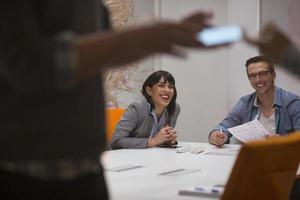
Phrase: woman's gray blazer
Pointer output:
(134, 128)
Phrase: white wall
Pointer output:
(210, 82)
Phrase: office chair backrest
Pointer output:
(113, 116)
(264, 169)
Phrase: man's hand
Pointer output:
(217, 138)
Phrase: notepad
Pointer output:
(249, 131)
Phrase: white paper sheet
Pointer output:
(202, 191)
(252, 130)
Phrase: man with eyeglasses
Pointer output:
(276, 45)
(277, 110)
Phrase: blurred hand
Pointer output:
(185, 33)
(271, 42)
(217, 138)
(166, 37)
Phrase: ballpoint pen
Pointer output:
(220, 130)
(213, 189)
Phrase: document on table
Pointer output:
(223, 152)
(252, 130)
(204, 191)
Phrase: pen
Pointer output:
(199, 188)
(222, 137)
(214, 190)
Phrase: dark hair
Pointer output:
(155, 78)
(257, 59)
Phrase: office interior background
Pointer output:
(209, 83)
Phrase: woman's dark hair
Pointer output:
(154, 78)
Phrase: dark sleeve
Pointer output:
(31, 57)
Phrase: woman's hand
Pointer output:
(165, 135)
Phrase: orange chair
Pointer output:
(113, 116)
(264, 169)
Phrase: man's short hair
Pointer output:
(257, 59)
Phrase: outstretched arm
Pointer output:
(276, 46)
(103, 50)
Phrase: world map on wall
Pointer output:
(123, 85)
(117, 80)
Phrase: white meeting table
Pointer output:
(212, 167)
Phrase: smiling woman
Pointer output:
(150, 121)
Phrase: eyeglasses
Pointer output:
(262, 74)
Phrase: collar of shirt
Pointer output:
(277, 100)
